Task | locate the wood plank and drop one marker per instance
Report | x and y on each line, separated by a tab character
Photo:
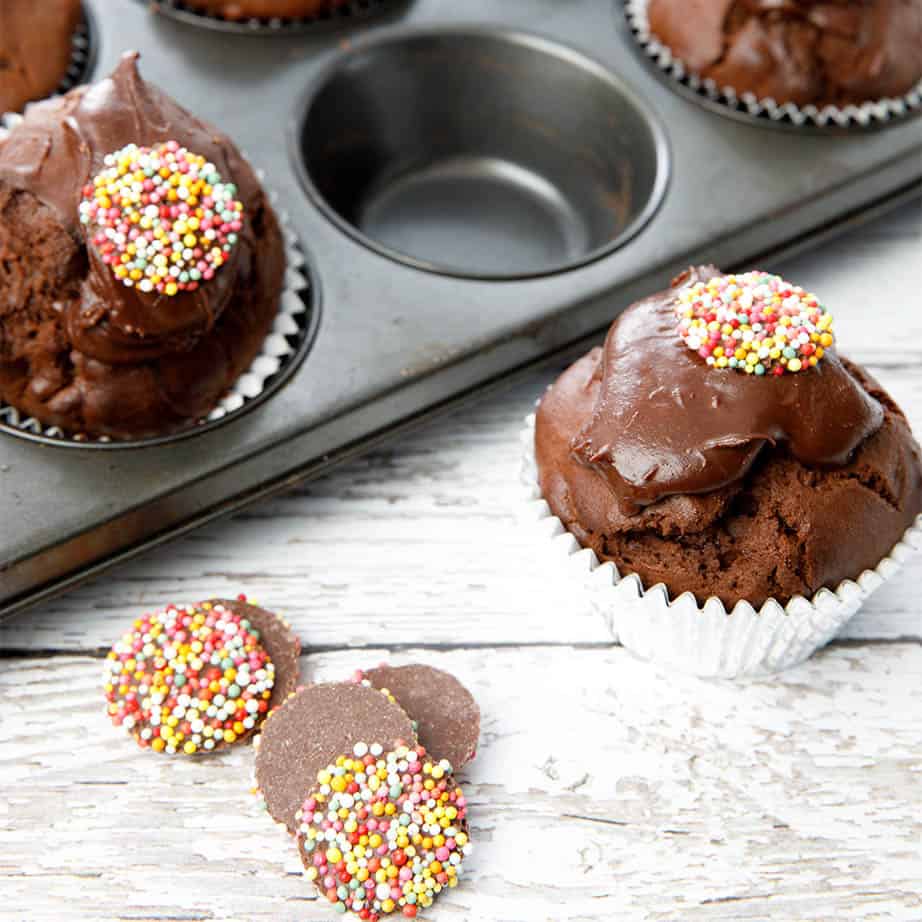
602	790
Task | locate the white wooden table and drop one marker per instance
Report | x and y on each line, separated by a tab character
604	790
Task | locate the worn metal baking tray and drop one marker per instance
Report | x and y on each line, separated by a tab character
482	160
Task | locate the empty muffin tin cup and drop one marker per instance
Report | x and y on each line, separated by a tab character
479	154
682	634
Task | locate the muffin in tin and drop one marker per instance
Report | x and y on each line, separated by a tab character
127	309
804	52
266	9
36	48
767	469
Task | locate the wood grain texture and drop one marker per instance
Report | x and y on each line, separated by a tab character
604	789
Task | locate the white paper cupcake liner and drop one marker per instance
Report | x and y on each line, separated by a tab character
877	113
282	350
261	25
705	640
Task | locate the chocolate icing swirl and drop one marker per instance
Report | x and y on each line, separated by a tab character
666	423
60	146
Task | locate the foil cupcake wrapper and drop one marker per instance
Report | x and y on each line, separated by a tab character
282	350
705	640
872	114
353	11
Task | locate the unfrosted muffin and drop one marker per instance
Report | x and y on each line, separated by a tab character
120	318
696	466
820	52
266	9
36	42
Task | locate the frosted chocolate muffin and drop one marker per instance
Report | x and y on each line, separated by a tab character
266	9
820	52
35	48
719	445
140	263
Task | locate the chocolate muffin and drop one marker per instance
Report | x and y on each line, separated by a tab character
129	303
687	462
266	9
35	48
820	52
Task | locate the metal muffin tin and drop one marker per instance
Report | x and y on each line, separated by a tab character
533	129
557	165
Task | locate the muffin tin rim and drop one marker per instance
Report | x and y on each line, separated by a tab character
545	44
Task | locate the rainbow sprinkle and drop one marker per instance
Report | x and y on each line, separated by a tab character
755	323
384	833
162	218
189	678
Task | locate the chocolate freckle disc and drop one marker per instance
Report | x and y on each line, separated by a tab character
192	679
447	716
383	834
279	641
311	729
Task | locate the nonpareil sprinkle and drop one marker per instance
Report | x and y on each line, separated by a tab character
384	833
755	323
162	218
189	679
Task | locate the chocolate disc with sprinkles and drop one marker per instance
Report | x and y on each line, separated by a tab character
281	643
447	716
194	678
310	730
384	832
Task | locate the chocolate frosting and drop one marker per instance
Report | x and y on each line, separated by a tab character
60	146
666	423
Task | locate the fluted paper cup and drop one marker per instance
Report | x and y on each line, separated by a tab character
705	640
